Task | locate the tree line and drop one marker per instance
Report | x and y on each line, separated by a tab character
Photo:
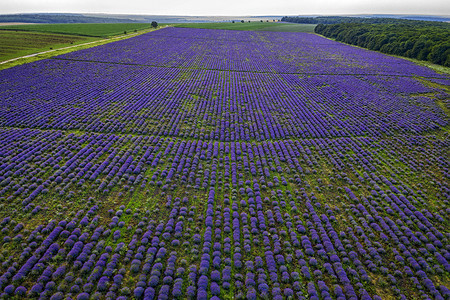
413	39
365	20
423	40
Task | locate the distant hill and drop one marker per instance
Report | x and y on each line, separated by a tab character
368	19
49	18
412	17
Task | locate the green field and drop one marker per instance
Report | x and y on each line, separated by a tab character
256	26
20	43
85	29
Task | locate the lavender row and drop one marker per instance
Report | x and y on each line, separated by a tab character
280	52
134	182
257	219
214	105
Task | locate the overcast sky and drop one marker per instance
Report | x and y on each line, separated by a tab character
229	7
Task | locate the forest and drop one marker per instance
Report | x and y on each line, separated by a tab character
428	41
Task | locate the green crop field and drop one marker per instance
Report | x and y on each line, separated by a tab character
256	26
85	29
19	43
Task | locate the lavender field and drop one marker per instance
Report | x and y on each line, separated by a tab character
215	164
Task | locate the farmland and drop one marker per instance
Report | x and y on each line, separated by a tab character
218	164
27	43
83	29
15	44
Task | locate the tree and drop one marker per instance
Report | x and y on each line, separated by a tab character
439	54
154	24
242	21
